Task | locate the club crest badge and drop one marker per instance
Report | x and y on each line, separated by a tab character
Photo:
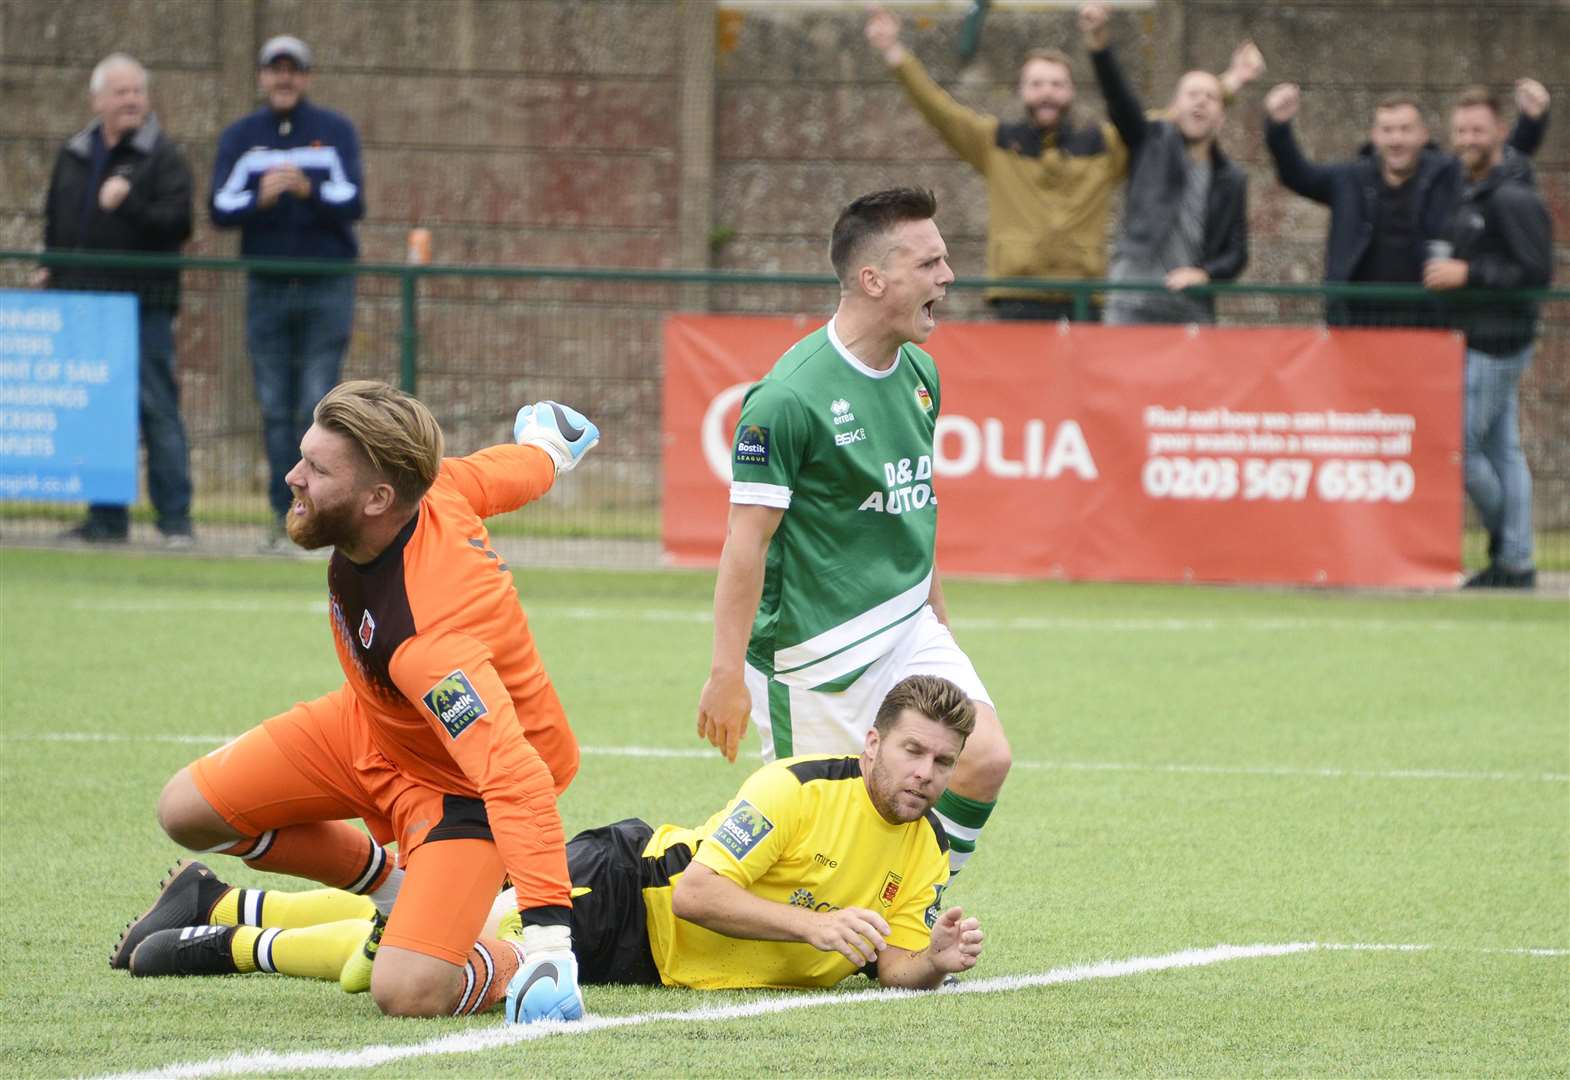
367	630
890	889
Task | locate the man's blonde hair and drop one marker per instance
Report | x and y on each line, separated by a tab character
396	432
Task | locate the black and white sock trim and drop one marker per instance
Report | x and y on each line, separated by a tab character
248	906
264	844
373	870
262	951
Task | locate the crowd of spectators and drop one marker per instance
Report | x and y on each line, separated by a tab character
1403	211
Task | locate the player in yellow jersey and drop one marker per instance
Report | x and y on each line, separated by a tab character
818	868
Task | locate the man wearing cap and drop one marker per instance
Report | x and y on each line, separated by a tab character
288	176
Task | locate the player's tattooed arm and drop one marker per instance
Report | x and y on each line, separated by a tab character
955	947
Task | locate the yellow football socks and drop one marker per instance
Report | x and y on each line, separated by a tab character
312	952
288	910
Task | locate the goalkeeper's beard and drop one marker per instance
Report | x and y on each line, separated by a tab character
320	527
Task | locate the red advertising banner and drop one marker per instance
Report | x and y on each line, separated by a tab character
1155	453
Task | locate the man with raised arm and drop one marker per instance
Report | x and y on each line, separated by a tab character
1500	237
1391	202
1185	214
446	735
1050	173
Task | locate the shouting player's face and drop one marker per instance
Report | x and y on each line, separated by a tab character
916	276
328	489
907	769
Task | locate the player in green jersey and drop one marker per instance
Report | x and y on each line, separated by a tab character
827	593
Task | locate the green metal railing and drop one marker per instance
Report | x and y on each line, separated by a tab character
409	276
476	340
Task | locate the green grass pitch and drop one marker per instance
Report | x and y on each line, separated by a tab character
1194	767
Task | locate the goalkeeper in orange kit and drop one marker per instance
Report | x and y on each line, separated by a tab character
447	735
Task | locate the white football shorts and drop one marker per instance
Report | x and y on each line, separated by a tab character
792	721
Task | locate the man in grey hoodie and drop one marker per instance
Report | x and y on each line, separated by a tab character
1501	238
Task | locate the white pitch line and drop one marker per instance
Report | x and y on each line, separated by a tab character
702	617
697	753
468	1042
1297	771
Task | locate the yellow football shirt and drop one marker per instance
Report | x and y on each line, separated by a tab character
800	831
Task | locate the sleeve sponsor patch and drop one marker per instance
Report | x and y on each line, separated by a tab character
935	908
743	830
752	445
455	702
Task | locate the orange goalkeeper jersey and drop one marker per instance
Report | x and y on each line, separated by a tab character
437	650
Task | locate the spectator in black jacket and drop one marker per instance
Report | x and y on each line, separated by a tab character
1501	238
121	185
1389	202
1186	208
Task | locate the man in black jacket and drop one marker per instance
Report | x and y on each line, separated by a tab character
121	185
1185	212
1501	238
1388	203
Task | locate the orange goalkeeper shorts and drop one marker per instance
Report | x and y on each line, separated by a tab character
317	762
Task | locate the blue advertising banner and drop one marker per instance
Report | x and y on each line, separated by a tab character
68	388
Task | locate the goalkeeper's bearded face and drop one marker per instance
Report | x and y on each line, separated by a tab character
330	486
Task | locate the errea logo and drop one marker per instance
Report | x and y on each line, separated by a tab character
841	410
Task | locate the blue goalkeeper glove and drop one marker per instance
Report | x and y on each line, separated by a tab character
561	431
545	986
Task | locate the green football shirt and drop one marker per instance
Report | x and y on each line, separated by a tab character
846	452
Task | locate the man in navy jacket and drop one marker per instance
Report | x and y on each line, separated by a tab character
288	177
1388	203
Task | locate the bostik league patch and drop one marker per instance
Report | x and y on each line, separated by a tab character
743	829
455	702
752	445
